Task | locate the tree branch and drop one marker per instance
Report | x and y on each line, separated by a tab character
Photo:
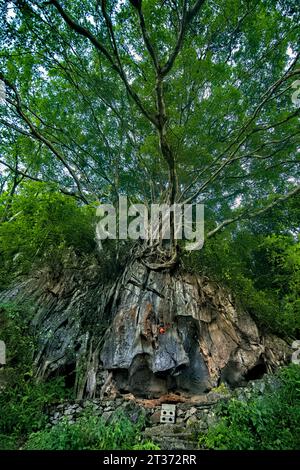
101	48
266	97
187	17
254	213
37	134
24	174
146	38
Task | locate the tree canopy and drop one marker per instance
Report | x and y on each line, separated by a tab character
174	100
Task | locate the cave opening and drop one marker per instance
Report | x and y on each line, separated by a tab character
68	372
256	372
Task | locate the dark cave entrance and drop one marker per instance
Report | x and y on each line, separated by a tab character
257	372
68	372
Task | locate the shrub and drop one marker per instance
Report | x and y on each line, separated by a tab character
23	407
22	400
269	422
42	224
148	445
91	433
263	271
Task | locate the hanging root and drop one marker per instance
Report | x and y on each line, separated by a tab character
164	260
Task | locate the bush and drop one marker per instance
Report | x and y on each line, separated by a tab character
263	271
42	223
91	433
148	445
268	422
22	399
23	406
14	331
8	442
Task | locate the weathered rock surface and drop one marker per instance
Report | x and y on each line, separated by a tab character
205	338
147	333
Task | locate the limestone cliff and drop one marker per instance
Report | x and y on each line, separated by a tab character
147	332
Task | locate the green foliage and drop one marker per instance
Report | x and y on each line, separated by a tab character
232	52
222	389
277	268
42	225
8	442
262	270
86	124
23	405
148	445
91	433
22	399
269	422
15	332
112	259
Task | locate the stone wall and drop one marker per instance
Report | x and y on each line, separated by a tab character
193	415
186	413
190	417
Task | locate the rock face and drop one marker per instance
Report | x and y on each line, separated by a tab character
182	332
147	333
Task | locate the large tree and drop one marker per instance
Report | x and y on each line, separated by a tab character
163	101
